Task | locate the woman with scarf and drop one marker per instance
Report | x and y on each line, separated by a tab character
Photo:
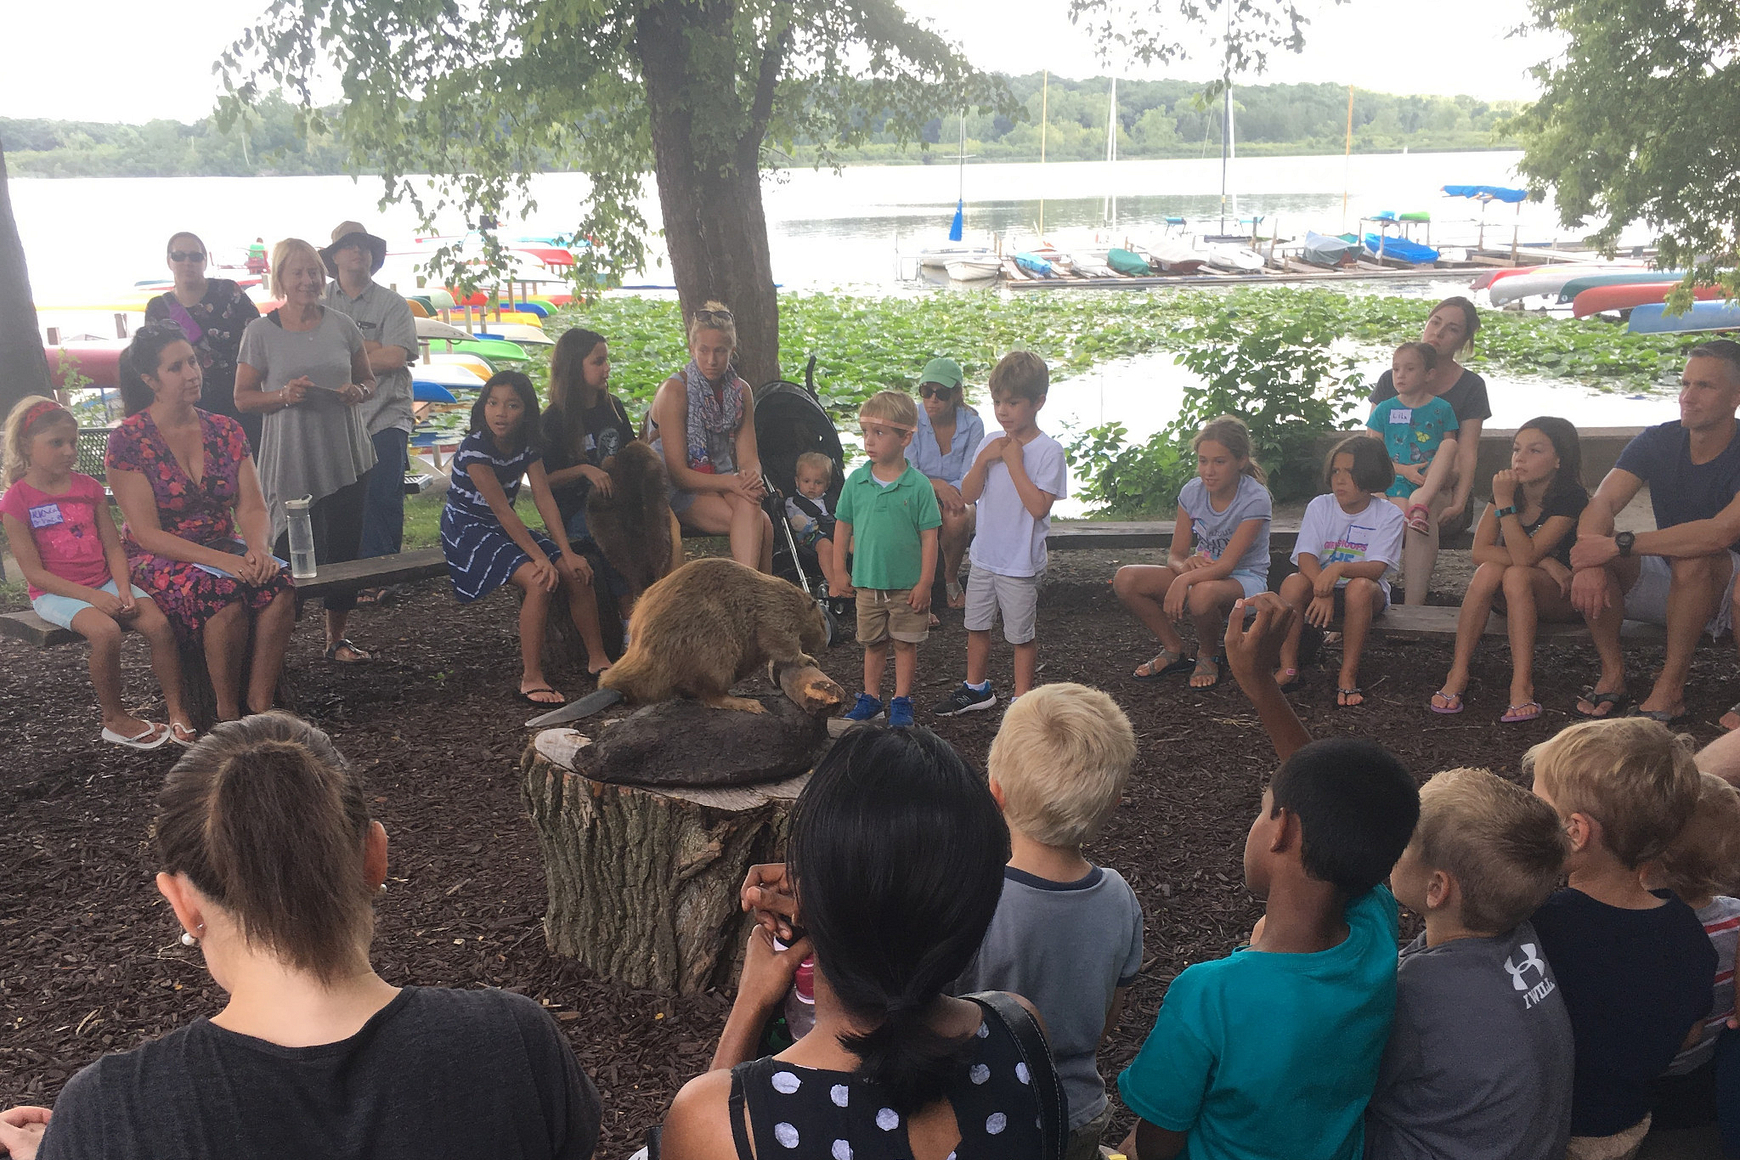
704	420
212	313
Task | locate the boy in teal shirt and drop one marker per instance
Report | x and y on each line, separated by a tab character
888	516
1274	1050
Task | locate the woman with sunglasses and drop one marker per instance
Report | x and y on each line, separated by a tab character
948	431
705	423
212	313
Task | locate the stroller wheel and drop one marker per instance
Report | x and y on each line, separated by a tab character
830	621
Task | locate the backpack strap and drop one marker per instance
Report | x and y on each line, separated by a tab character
808	506
1029	1040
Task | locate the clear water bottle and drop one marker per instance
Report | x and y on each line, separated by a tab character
302	564
800	1001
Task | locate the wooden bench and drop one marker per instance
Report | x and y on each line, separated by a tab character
1066	535
1438	622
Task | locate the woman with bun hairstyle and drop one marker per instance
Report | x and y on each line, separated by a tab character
271	864
893	870
197	535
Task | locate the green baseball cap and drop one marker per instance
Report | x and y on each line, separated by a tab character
944	372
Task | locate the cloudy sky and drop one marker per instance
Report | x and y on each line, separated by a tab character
134	62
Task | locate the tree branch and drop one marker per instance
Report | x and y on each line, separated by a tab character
767	82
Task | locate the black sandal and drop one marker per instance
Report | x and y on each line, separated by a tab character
1617	704
344	642
526	696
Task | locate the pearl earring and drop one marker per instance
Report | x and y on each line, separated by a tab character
188	939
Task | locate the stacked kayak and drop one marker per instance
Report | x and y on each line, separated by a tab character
1596	299
1542	280
1401	249
1327	250
1653	318
1569	291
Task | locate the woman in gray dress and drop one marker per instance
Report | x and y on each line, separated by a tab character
305	368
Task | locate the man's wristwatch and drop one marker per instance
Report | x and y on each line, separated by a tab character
1623	542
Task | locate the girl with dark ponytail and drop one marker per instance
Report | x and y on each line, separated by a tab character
896	853
271	865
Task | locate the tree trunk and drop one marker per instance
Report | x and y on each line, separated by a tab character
709	174
23	367
643	883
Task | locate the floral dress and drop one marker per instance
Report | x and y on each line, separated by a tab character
203	513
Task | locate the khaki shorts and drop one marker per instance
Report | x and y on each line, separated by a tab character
1647	599
884	613
1016	597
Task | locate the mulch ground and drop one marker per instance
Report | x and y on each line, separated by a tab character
89	958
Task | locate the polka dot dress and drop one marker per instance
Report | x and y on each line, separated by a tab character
800	1113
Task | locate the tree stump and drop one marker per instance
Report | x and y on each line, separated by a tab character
643	883
197	694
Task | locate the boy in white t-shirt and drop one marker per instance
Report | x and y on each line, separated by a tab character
1350	542
1015	478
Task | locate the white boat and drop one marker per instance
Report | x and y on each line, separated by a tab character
1548	281
513	332
1175	256
1235	258
447	375
938	257
974	268
436	330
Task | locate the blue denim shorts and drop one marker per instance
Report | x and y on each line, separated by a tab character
1250	581
60	610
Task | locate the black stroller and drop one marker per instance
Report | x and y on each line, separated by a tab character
791	421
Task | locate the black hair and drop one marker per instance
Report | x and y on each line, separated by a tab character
527	431
1356	806
896	854
141	359
1725	349
1566	445
1372	469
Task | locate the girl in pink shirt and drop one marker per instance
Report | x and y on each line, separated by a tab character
58	524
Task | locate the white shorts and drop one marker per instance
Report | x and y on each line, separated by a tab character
1647	599
1016	596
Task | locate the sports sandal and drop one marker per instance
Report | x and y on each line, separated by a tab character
1219	664
1153	671
1421	523
1517	714
1452	702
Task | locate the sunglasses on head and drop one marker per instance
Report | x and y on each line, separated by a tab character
713	317
187	255
926	390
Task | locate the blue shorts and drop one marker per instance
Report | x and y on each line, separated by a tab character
60	610
1251	582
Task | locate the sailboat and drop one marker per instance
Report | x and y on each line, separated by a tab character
964	262
1226	251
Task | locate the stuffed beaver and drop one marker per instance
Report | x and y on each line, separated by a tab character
633	525
700	630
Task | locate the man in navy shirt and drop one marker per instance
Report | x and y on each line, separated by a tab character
1679	575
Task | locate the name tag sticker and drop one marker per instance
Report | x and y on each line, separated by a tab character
46	516
1402	415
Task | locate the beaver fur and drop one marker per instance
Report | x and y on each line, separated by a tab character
632	525
708	625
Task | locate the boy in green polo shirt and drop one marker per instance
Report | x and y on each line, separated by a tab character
888	513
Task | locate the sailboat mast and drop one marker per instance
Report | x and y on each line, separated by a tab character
1226	112
1111	206
1044	111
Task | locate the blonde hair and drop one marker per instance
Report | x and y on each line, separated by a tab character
1633	775
895	408
19	433
1705	859
1231	433
727	326
1020	373
287	251
815	459
1062	757
1504	846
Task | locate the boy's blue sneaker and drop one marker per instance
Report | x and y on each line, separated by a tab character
965	699
869	708
900	713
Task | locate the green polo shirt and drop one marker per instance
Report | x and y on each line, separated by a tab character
886	522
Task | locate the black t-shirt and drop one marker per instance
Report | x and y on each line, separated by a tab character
1681	491
435	1074
1634	982
608	430
1467	397
1567	500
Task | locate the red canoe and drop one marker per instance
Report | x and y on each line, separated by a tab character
99	362
1598	298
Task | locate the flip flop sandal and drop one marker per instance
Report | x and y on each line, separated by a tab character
1341	696
1292	680
1452	703
182	735
1662	716
1219	664
526	696
1421	523
149	737
371	596
359	657
1616	704
956	594
1178	665
1517	714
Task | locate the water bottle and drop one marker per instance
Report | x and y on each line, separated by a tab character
301	537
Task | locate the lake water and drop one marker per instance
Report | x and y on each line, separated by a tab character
89	240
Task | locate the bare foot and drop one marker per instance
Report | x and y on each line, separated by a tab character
599	668
1731	719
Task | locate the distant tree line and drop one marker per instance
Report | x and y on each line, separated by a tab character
1155	119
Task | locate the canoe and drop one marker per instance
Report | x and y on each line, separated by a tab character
424	391
440	299
1627	295
476	365
1576	286
974	269
1401	249
1545	280
446	375
435	330
494	349
1653	318
513	332
98	361
1128	263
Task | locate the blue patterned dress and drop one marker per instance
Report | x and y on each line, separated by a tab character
481	556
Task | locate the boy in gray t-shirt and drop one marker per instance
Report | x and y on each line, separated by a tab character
1479	1059
1067	934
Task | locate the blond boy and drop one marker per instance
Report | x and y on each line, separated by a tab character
1634	966
888	515
1067	934
1479	1060
1700	868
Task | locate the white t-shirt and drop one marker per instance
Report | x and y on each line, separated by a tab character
1371	534
1211	531
1009	541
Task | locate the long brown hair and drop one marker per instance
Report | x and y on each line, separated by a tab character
269	821
565	417
1231	433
